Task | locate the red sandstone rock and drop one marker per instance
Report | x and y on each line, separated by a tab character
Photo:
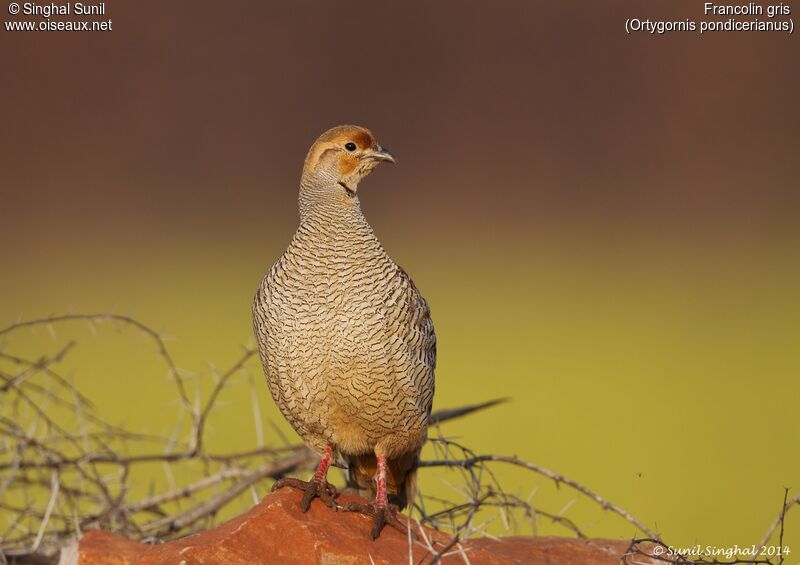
276	531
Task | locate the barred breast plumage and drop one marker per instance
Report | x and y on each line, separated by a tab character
345	338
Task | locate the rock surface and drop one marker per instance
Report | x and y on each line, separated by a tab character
276	531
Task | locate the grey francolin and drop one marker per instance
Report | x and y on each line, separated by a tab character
345	338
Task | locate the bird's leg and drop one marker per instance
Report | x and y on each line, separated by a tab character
381	511
318	486
381	500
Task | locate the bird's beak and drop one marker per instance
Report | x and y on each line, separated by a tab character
379	153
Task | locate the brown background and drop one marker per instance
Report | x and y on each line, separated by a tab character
522	113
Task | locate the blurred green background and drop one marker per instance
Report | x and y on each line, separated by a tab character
605	226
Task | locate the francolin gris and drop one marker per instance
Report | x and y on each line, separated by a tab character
345	338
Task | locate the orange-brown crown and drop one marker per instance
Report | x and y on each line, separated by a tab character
360	136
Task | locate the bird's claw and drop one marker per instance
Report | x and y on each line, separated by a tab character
381	516
312	489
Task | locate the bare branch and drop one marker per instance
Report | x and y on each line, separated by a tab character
779	519
65	469
558	478
451	413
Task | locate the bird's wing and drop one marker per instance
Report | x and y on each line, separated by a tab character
420	338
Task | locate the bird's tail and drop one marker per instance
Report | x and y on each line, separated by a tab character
401	477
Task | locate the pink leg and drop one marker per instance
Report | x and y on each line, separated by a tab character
322	469
384	513
318	486
381	499
381	511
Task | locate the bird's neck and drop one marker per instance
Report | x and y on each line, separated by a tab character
331	213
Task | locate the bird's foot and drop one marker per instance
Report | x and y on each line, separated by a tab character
381	516
315	488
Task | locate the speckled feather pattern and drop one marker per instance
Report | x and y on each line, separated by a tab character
345	338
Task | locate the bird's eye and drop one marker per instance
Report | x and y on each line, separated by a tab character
350	146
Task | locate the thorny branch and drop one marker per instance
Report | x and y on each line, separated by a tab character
64	469
779	519
475	460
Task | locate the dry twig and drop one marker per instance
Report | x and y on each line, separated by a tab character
65	469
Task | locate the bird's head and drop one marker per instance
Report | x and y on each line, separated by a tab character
343	156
